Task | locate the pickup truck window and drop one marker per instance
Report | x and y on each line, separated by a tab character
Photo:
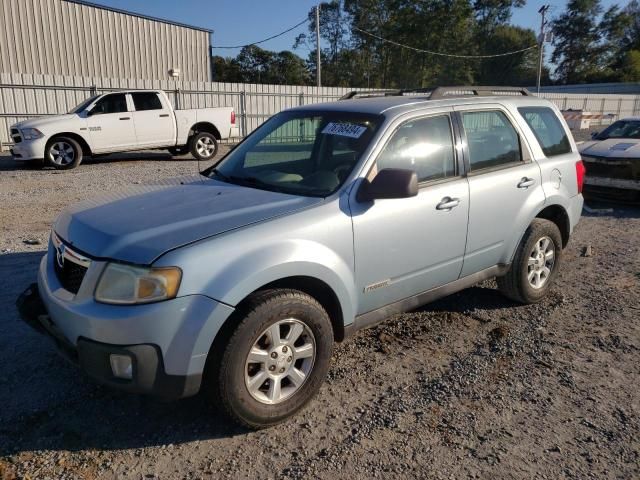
492	140
424	145
114	103
548	130
301	153
146	101
83	105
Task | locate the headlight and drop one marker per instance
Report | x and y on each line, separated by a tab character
127	285
31	133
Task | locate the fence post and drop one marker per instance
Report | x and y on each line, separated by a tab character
93	91
619	108
301	98
243	112
564	103
176	94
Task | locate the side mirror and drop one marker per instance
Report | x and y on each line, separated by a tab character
389	183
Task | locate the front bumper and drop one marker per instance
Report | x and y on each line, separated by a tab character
148	372
29	149
168	341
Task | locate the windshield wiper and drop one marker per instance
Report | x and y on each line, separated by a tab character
256	183
217	173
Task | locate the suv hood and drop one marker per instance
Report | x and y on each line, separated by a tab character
41	122
613	147
142	223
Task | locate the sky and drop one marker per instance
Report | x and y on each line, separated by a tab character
242	22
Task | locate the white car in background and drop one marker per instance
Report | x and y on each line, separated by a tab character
120	122
612	159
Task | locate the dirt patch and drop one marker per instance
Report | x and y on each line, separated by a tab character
472	386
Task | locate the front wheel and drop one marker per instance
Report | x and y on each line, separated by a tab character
63	153
535	264
275	360
203	146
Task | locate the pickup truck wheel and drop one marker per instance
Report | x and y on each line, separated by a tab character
275	360
535	264
63	153
204	146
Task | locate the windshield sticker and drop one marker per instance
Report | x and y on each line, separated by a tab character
344	129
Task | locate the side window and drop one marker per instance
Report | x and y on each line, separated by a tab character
424	145
548	130
115	103
491	138
146	101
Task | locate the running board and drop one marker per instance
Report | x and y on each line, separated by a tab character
374	317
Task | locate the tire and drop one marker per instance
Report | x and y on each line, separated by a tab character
203	146
63	153
532	273
245	388
178	151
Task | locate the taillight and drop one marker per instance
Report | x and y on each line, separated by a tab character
580	173
233	117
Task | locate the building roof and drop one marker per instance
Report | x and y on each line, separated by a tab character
133	14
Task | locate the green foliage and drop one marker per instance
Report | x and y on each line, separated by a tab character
589	46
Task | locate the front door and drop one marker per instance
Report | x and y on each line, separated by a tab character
407	246
111	125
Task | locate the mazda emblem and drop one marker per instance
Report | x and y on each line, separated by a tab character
60	255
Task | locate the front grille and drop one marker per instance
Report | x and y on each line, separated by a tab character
624	168
70	267
15	135
70	275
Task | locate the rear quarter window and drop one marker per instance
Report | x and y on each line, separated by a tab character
548	130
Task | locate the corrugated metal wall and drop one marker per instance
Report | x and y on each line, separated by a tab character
56	37
28	96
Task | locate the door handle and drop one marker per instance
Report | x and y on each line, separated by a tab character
526	182
447	203
125	118
164	115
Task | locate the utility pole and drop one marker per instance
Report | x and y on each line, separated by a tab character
318	66
543	23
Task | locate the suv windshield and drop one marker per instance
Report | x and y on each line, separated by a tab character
302	153
85	103
621	129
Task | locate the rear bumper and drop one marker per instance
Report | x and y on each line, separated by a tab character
94	358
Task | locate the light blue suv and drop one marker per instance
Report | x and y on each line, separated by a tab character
327	219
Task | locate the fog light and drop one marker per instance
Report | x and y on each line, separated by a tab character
121	366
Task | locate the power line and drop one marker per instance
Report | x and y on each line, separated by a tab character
267	39
420	50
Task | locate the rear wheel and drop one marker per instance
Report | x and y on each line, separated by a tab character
275	360
203	146
535	264
63	153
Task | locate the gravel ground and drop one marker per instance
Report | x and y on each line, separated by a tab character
472	386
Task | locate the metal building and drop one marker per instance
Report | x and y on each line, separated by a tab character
78	38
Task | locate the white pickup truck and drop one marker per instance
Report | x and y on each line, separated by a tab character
121	122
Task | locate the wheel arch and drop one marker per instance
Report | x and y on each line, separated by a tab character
557	214
86	149
205	127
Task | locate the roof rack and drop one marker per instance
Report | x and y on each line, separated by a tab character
436	93
442	92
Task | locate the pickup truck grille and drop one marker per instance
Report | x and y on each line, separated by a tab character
70	267
15	135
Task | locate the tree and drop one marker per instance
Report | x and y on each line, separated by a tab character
630	67
578	51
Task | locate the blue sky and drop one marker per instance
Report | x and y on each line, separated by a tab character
245	21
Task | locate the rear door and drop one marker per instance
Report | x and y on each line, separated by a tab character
110	124
505	188
154	121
